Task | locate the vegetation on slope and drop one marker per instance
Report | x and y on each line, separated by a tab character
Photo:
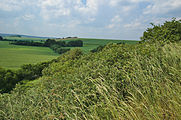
120	81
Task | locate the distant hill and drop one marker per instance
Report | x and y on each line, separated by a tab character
29	36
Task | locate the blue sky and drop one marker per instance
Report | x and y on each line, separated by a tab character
112	19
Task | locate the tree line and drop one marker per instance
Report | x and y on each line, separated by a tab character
49	43
56	46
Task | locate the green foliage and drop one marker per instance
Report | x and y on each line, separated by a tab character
9	78
49	42
58	49
27	43
121	82
1	38
76	43
170	31
98	49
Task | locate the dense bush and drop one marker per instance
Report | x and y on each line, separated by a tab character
76	43
27	43
1	38
49	42
170	31
98	49
9	78
58	49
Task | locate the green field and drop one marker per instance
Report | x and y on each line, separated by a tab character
90	44
23	38
13	56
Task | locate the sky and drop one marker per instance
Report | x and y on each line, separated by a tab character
108	19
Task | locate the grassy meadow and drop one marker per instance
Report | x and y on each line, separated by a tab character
13	56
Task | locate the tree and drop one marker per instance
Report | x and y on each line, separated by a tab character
1	38
49	42
76	43
170	31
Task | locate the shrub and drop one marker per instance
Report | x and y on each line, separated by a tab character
76	43
1	38
170	31
98	49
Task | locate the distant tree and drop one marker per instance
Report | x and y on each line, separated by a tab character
76	43
1	38
61	43
49	42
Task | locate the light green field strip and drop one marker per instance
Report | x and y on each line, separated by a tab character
13	56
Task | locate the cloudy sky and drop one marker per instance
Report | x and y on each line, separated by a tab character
113	19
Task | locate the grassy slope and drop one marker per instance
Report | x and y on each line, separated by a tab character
13	56
121	82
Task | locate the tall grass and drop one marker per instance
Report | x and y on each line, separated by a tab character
122	82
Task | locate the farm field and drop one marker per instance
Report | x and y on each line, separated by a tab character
23	38
90	44
13	56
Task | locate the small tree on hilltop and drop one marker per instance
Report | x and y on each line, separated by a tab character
170	31
1	38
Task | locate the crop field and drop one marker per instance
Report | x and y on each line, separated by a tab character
90	44
13	56
24	38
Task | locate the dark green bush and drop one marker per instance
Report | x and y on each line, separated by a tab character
1	38
170	31
98	49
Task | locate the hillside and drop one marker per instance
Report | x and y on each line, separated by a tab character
121	81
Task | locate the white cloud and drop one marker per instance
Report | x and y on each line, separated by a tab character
162	6
137	24
116	19
137	1
91	7
15	5
28	17
115	22
54	8
117	2
126	9
114	2
134	25
10	5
